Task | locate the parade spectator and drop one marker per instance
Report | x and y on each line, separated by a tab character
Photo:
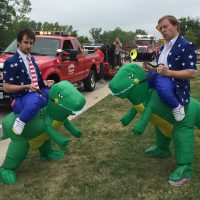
101	59
117	58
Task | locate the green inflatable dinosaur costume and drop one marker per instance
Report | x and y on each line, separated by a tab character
130	82
64	100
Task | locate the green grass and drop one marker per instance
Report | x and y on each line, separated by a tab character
107	163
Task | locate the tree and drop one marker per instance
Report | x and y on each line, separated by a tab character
190	35
190	28
140	31
83	39
126	37
96	34
46	26
11	12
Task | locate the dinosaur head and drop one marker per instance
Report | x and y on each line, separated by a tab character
126	83
64	100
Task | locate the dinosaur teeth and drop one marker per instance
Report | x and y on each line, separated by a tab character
74	112
117	94
80	111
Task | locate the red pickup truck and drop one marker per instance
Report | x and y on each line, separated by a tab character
59	57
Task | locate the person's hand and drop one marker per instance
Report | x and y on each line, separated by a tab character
147	68
163	70
33	88
48	83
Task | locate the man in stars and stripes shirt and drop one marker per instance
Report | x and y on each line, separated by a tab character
176	66
23	80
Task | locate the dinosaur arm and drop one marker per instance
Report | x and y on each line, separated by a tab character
143	121
128	117
72	128
60	140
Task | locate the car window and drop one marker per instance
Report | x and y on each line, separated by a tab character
67	45
42	46
76	44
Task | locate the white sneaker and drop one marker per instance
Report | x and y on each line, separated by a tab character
181	182
18	126
179	113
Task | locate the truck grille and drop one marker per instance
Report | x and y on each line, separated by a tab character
142	49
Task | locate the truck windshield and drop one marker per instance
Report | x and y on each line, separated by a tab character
42	46
144	42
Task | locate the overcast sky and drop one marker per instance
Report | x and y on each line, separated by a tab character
129	15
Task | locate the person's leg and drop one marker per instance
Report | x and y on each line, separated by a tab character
47	152
183	139
115	61
101	72
16	153
118	60
18	106
29	105
165	90
32	102
161	147
45	95
151	79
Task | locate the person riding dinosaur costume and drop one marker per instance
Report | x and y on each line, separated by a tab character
64	100
130	82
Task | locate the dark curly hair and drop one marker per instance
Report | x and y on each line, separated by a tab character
28	32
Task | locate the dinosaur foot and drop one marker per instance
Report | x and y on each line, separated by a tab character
156	152
181	175
54	155
7	176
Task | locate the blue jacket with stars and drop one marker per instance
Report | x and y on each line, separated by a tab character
181	57
15	72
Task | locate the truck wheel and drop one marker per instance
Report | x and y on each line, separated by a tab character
90	81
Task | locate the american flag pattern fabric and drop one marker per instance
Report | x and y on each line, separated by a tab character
15	72
181	57
32	72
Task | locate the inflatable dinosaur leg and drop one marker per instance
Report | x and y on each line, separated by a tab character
128	117
16	153
161	149
60	140
47	153
141	124
183	137
72	129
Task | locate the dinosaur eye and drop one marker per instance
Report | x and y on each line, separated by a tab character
60	96
131	76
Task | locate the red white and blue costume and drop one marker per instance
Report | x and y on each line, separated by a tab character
26	103
180	56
